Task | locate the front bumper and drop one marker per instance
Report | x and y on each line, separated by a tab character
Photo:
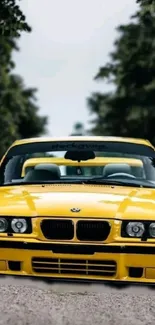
110	262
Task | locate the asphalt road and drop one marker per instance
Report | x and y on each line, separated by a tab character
24	302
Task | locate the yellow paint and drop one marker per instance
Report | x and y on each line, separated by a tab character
99	202
79	138
96	202
84	138
3	266
123	263
150	273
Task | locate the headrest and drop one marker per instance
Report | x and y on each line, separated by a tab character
52	168
110	169
43	172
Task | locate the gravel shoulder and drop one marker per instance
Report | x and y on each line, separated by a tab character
24	302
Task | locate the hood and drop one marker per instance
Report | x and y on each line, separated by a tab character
94	201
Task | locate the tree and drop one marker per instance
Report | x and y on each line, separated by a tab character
18	109
12	20
147	5
78	129
129	110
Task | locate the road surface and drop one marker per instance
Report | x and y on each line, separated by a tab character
24	302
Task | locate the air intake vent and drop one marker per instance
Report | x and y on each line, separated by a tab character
74	266
58	229
92	230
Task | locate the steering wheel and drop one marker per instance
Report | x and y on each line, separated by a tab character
120	175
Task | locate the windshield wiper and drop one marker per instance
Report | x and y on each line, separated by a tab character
94	180
19	183
105	181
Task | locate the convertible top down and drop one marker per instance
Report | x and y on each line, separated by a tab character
78	208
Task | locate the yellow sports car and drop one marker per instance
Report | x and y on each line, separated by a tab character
78	208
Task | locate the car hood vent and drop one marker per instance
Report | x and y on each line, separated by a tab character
75	185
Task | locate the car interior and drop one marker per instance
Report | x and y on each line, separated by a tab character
53	172
43	172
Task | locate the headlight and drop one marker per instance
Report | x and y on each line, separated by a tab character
135	229
19	225
3	224
152	229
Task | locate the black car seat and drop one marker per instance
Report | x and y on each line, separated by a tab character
43	172
53	168
111	169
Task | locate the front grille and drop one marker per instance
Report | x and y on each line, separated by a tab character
74	267
92	230
57	229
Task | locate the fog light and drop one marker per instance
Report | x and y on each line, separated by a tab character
14	265
19	225
135	229
152	229
3	224
3	265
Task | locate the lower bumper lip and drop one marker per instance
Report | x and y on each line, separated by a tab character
119	284
78	248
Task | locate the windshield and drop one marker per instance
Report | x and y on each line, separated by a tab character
80	161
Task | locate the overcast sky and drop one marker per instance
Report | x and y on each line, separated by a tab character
70	40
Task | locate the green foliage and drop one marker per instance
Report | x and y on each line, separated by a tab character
129	110
147	5
12	20
78	129
18	110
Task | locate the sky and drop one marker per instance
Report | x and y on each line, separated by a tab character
70	40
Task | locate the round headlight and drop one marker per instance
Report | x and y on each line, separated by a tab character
3	224
135	229
152	229
19	225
